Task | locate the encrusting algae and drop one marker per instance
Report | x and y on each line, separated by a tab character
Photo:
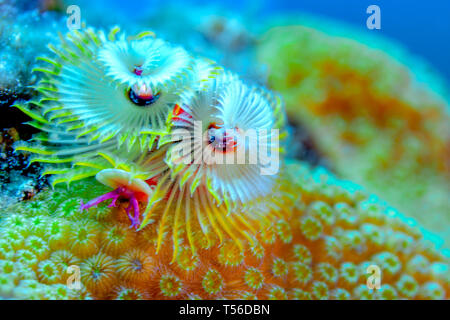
368	115
118	108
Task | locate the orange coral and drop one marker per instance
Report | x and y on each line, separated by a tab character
367	114
318	247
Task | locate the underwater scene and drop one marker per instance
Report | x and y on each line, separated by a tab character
202	150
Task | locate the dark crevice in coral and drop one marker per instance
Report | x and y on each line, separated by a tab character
301	146
14	118
18	180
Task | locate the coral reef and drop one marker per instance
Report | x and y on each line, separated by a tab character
18	179
226	32
193	214
326	234
18	20
368	115
20	43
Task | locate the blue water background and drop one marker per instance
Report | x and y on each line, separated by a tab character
422	27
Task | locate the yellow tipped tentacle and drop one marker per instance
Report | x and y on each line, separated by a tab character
225	225
211	217
142	35
164	217
188	222
158	194
108	158
242	219
50	160
176	226
30	113
112	34
234	226
87	132
91	172
50	61
94	37
202	220
90	164
36	150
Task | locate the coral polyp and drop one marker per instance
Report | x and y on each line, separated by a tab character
289	264
135	266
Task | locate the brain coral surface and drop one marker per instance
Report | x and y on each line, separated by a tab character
367	114
326	234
